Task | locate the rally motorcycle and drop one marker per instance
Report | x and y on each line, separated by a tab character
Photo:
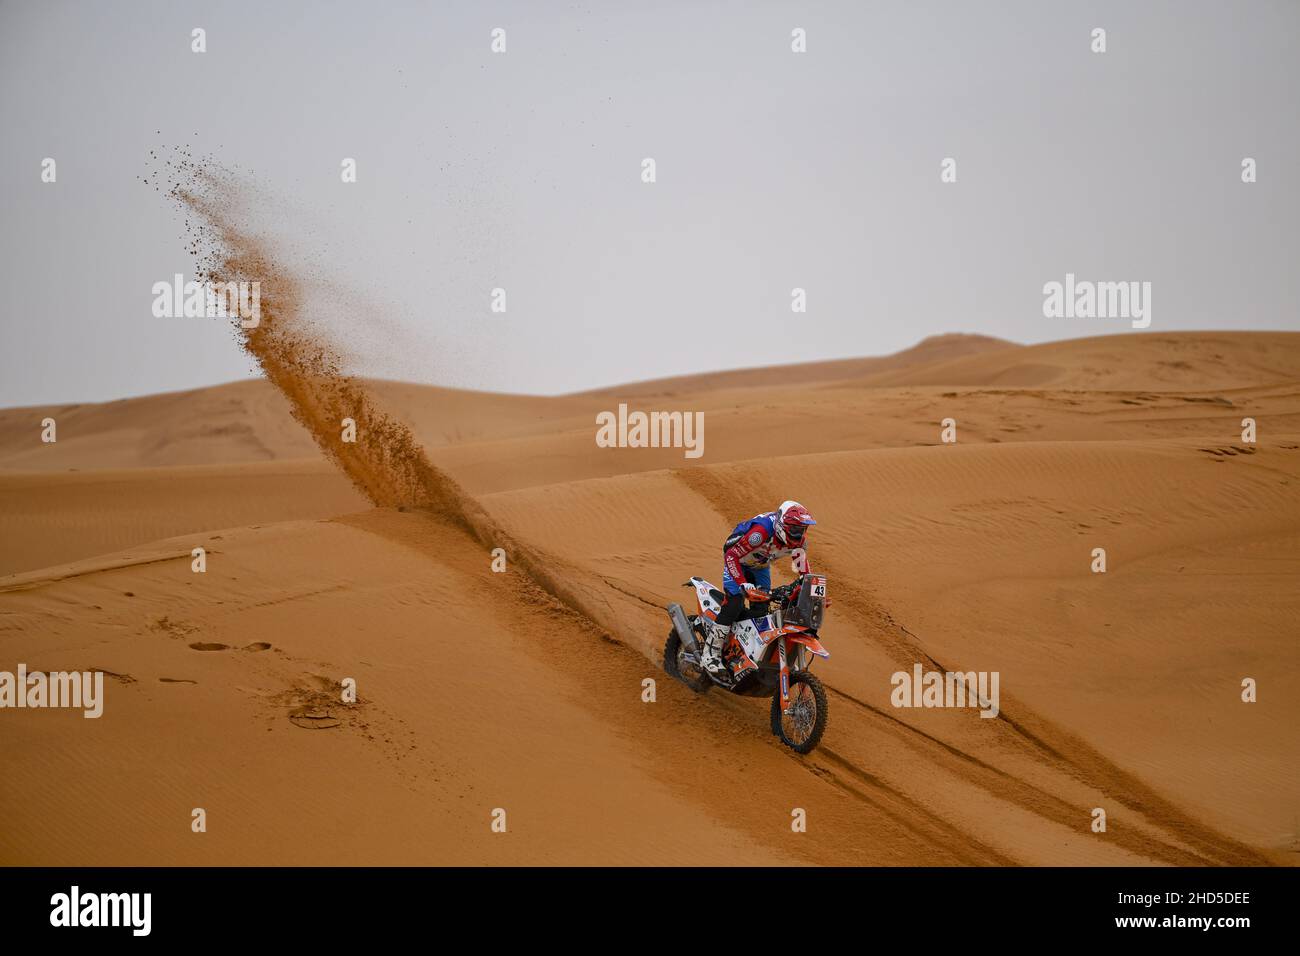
767	654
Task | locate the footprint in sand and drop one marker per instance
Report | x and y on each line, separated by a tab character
120	678
254	647
313	718
177	629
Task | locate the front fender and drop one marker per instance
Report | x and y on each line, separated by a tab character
808	640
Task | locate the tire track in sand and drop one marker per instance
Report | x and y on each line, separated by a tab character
1185	840
689	738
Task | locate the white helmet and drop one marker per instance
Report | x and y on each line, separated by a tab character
793	521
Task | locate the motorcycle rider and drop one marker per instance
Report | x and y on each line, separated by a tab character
746	555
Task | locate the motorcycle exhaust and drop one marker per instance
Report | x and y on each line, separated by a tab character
683	628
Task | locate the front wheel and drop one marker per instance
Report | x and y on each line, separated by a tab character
681	663
801	730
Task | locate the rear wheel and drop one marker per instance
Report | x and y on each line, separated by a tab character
682	664
801	730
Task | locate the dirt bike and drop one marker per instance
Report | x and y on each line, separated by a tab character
767	654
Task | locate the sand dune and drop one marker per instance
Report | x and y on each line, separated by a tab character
50	519
1175	384
251	422
936	349
992	572
481	690
1152	362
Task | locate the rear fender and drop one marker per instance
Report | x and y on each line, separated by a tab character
708	604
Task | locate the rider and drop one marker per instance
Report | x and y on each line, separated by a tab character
746	554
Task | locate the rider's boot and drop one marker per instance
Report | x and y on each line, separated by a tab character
733	606
711	652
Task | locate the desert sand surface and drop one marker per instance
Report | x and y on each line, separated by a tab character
523	690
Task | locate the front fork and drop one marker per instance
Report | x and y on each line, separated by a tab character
785	676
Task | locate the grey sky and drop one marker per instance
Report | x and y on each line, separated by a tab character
522	170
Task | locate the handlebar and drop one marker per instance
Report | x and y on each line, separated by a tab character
779	594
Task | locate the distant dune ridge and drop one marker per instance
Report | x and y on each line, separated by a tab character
522	690
252	421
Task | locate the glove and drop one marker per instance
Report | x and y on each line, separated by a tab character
748	588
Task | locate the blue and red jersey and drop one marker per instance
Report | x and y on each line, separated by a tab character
750	548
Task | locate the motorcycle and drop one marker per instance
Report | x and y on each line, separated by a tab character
768	653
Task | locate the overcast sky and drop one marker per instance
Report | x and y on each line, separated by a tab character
522	170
